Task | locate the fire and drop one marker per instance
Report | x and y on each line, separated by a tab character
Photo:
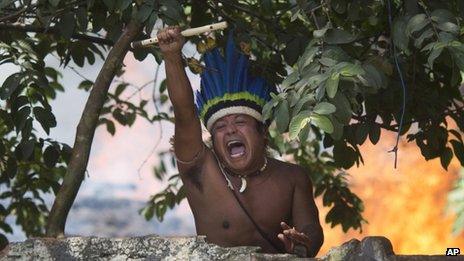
407	205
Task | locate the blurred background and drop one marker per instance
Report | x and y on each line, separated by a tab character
408	205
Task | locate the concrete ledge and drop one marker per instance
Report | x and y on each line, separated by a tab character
153	247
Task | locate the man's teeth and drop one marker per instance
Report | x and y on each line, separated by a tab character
232	142
236	148
238	154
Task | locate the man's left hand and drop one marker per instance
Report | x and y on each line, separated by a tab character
291	238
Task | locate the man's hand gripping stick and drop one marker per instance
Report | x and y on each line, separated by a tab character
185	33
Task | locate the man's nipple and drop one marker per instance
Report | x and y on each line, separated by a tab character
225	224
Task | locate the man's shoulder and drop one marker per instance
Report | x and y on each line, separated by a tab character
292	171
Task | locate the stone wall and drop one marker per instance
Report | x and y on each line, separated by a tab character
184	248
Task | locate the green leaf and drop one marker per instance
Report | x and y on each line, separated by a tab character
349	69
339	6
66	152
144	13
424	36
344	155
148	212
298	122
374	133
3	4
110	4
304	133
322	122
160	211
282	116
54	2
20	117
442	16
130	117
445	158
458	148
343	113
292	50
51	156
362	130
151	23
82	19
331	85
290	79
293	98
10	85
66	25
3	241
2	149
86	85
110	127
320	33
27	129
45	118
416	23
267	110
338	36
172	9
335	53
299	105
163	86
374	77
400	38
307	56
27	148
119	116
434	55
449	27
120	88
324	108
123	4
338	128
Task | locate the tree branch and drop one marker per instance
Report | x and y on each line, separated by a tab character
53	30
85	132
13	15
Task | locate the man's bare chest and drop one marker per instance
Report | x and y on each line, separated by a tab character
268	201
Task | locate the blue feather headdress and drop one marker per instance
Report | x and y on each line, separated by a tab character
227	87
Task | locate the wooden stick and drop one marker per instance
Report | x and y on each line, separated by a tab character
186	33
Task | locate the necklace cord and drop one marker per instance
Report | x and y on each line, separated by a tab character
258	228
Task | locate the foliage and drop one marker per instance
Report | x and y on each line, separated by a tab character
337	64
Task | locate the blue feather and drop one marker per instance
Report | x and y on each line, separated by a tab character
229	74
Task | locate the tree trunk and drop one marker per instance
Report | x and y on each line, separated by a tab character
85	131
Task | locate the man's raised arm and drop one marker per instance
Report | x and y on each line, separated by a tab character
188	143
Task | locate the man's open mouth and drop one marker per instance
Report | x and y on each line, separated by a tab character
236	148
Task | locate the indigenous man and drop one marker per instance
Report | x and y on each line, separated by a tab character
238	196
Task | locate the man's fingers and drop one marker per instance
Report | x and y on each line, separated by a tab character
287	242
296	236
168	34
284	225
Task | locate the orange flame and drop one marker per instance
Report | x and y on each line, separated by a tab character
407	205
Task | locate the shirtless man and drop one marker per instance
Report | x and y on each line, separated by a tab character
279	199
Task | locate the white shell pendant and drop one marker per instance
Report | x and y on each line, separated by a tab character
244	185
